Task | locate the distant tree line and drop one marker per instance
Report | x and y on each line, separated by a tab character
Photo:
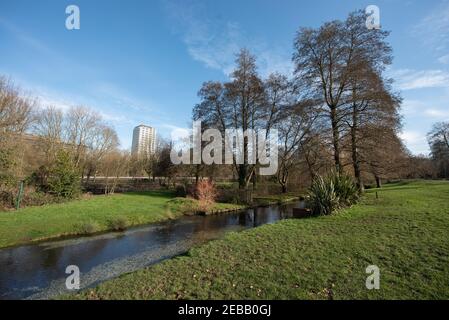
54	152
438	139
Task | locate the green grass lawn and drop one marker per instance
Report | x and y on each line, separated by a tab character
96	214
404	232
275	199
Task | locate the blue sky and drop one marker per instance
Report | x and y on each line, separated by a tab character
143	61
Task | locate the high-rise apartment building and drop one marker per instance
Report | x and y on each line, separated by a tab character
144	140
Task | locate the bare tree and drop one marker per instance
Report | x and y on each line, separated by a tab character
372	104
294	129
103	141
326	58
439	134
384	154
15	118
240	104
115	163
48	126
438	139
164	167
80	129
315	153
279	97
15	109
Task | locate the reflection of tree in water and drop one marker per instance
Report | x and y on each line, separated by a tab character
80	253
51	257
246	218
169	231
285	211
204	229
252	218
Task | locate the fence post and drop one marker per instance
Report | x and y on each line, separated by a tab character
20	195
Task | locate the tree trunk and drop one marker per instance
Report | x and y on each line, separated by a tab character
197	174
336	139
254	180
310	167
284	188
355	156
378	181
244	175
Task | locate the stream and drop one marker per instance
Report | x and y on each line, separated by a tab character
37	271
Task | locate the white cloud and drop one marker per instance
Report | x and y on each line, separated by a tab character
216	42
117	119
44	100
429	109
415	141
215	50
411	107
437	113
444	59
271	61
409	136
433	29
407	79
118	97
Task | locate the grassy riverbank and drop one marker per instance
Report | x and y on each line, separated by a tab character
404	232
96	214
275	199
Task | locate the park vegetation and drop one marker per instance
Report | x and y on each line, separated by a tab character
323	258
337	114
